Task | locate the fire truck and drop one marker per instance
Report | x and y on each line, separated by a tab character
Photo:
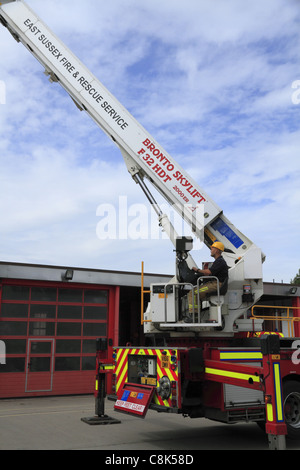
219	362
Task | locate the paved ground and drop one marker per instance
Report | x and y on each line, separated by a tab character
54	423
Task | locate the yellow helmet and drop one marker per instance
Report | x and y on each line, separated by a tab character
218	245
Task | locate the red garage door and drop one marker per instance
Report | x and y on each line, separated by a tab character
50	331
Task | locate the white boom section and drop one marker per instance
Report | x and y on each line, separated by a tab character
142	154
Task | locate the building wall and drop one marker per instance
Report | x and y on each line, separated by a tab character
50	331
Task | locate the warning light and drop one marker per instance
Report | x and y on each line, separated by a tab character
268	399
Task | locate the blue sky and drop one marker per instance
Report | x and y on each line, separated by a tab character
212	81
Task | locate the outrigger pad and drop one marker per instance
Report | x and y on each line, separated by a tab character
93	420
196	362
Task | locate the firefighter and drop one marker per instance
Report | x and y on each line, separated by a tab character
218	269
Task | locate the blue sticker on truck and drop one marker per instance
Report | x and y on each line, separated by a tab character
221	226
125	395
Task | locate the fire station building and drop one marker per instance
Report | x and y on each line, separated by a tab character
50	318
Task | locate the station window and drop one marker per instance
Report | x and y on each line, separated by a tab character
15	346
94	329
72	312
67	363
88	363
95	296
89	346
43	294
14	364
15	293
13	328
40	364
68	329
41	328
42	311
65	346
95	313
15	310
40	347
69	295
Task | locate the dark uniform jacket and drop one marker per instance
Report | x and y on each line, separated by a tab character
219	269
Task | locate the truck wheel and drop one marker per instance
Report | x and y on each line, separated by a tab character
291	400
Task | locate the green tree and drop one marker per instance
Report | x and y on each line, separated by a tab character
296	279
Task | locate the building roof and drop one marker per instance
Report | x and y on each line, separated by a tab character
80	275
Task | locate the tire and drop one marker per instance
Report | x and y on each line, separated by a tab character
291	407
